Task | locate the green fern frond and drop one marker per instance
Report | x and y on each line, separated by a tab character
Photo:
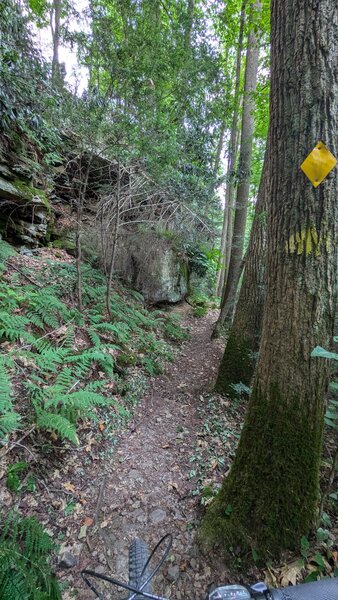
45	307
93	336
120	330
98	384
83	361
6	251
25	550
9	298
48	360
57	423
9	419
69	339
13	327
65	380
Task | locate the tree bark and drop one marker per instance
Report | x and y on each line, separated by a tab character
274	482
232	153
189	24
55	23
242	346
251	69
114	243
217	162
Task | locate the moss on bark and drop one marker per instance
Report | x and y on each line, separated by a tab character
269	499
237	365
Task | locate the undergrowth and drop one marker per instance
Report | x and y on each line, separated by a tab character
25	570
58	365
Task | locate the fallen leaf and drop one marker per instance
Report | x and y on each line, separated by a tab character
83	532
69	487
90	441
270	579
104	524
101	426
214	464
166	445
88	521
290	574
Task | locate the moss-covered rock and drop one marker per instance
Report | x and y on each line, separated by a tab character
26	212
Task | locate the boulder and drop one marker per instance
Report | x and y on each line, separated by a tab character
153	266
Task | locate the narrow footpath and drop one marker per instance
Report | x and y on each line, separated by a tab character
149	489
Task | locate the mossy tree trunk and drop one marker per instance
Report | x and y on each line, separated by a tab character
273	485
245	156
239	358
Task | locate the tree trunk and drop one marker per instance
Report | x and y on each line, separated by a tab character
215	167
222	250
232	153
242	346
114	245
55	28
274	482
189	24
80	201
229	294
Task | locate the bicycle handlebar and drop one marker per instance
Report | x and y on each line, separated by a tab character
325	589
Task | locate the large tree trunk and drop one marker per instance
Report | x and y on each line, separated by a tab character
232	152
229	294
274	482
242	346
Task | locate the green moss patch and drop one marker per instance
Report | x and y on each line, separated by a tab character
269	500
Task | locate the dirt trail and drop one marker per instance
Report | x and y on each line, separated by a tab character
147	492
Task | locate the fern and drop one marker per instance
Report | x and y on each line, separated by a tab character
6	251
93	336
64	380
57	423
25	571
12	327
9	419
44	307
83	361
69	339
120	330
48	361
9	298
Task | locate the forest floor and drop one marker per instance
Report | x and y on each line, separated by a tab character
168	455
156	477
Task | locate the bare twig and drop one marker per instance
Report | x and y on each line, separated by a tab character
26	434
99	499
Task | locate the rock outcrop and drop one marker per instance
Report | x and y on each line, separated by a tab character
25	211
153	266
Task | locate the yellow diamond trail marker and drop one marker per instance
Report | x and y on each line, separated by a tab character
318	164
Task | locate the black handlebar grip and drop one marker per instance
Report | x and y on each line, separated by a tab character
325	589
